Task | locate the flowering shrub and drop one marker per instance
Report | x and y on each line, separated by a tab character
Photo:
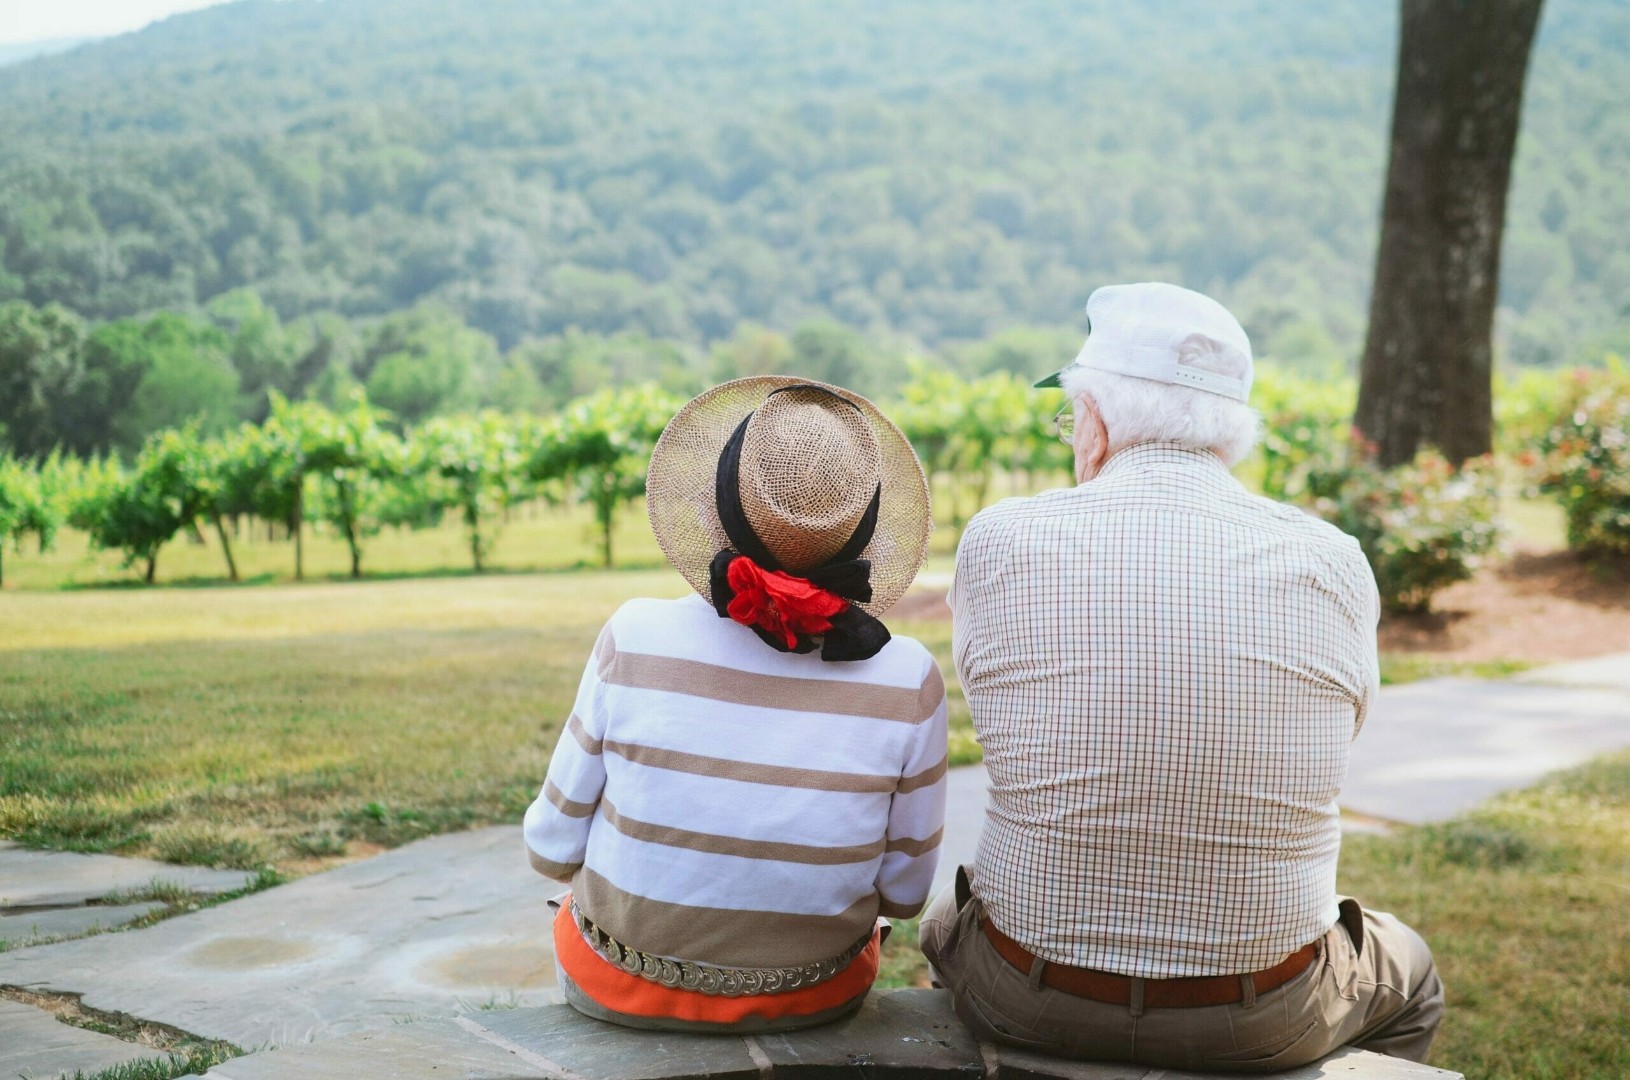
1422	526
1584	460
1304	426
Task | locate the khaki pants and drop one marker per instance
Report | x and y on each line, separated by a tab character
1373	986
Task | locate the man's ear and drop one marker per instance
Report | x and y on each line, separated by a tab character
1089	427
1100	453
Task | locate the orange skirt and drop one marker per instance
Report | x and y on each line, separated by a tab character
610	986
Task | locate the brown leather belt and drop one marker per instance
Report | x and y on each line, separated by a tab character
1182	993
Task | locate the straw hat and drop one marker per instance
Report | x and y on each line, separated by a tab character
812	459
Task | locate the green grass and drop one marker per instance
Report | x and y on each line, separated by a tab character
246	727
242	727
1524	903
536	538
191	1062
1409	667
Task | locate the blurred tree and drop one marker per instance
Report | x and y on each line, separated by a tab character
482	459
178	372
1428	367
41	371
353	457
23	508
752	350
604	442
263	352
140	510
426	361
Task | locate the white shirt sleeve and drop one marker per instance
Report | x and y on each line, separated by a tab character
557	823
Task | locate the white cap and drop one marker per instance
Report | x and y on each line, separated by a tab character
1165	334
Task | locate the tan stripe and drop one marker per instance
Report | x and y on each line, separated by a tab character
549	868
932	692
713	843
927	778
915	848
589	743
646	671
563	804
890	910
605	652
752	772
720	935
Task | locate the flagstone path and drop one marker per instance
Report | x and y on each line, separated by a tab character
456	925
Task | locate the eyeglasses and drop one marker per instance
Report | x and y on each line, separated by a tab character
1064	424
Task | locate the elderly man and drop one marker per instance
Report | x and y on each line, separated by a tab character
1165	673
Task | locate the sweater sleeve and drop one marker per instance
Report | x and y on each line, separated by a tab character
557	823
917	811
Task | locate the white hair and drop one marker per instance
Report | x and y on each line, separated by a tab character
1144	410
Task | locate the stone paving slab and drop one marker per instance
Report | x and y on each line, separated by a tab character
1604	673
65	878
966	797
1436	748
898	1034
34	924
444	925
424	1050
35	1045
563	1042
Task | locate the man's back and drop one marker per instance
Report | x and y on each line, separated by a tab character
1165	673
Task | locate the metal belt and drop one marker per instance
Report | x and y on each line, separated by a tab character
706	978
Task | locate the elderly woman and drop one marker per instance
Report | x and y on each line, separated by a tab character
754	774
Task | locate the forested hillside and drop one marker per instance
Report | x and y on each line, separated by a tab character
920	170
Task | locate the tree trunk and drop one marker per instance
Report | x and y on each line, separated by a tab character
349	516
152	568
295	525
472	521
606	511
1427	372
226	549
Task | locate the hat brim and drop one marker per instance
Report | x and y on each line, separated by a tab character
1047	382
680	488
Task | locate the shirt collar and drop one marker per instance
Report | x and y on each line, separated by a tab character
1148	457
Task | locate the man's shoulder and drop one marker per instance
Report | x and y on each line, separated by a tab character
1303	523
1020	508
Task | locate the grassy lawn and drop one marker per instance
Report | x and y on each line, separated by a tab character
1524	902
295	724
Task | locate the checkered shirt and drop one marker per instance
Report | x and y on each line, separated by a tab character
1165	673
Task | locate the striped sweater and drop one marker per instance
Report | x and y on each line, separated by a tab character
717	801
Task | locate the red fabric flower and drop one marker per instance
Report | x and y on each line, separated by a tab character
779	603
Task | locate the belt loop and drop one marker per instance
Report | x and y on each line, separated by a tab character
1137	997
1038	968
1247	989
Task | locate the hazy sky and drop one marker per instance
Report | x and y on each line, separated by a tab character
37	20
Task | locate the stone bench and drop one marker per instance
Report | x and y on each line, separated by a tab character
898	1035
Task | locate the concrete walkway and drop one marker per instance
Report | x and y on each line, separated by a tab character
457	924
